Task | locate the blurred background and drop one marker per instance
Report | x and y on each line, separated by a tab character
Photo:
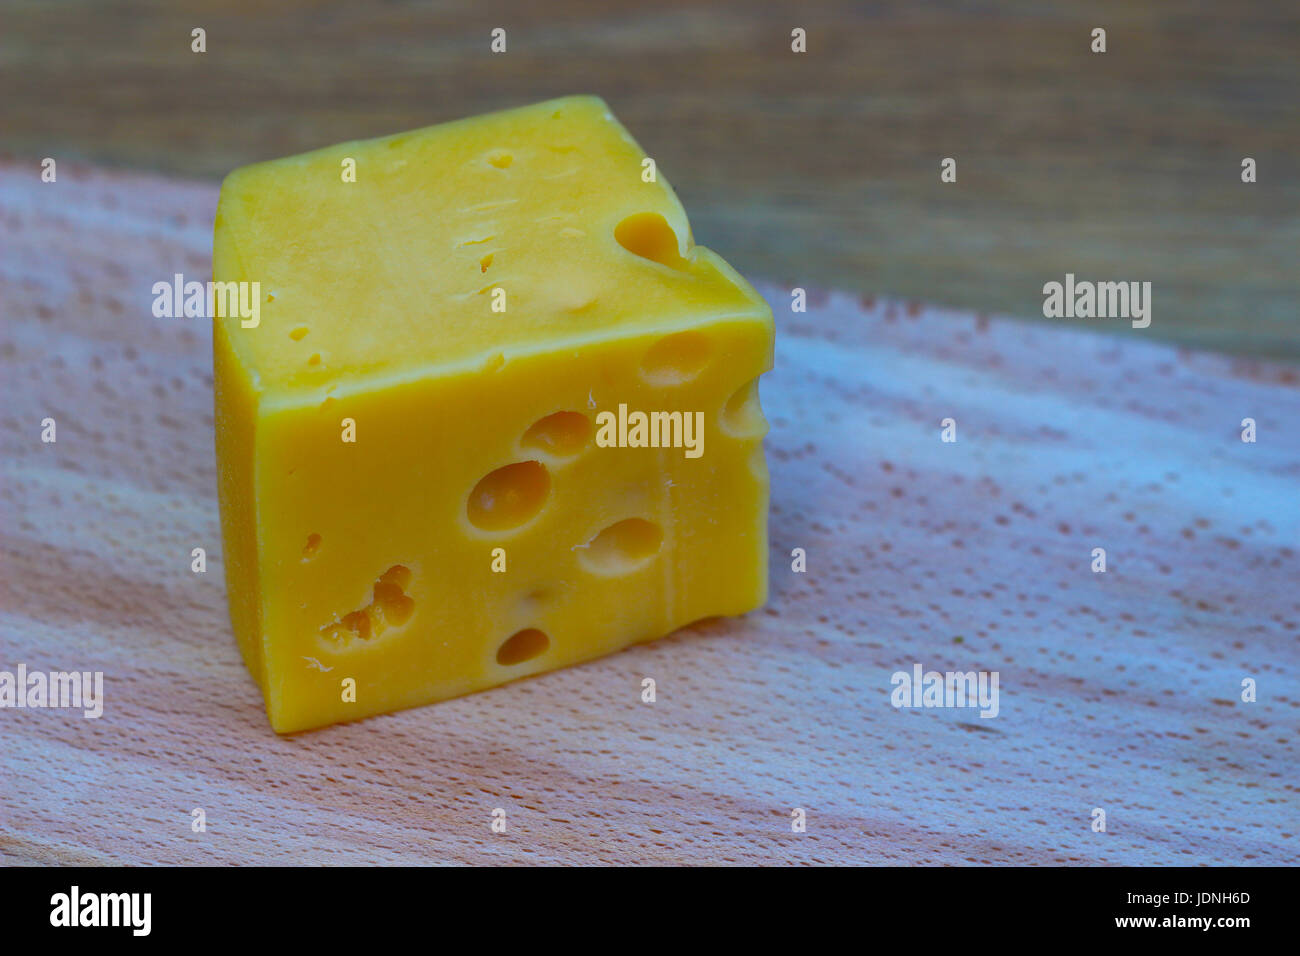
820	169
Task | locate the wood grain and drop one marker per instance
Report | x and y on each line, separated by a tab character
1118	690
819	169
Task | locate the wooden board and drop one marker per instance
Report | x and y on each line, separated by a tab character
820	168
1118	690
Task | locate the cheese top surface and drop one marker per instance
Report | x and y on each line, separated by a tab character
394	275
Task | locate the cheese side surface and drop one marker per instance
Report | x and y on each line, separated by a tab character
496	412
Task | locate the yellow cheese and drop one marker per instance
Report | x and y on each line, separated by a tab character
435	442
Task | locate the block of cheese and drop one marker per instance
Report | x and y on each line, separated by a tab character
497	413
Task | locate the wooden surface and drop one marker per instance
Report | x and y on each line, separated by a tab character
1118	691
820	169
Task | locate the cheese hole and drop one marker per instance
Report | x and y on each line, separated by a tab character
532	602
622	547
358	623
742	416
389	607
501	159
314	360
509	496
648	235
562	434
485	262
311	547
523	646
299	333
676	358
